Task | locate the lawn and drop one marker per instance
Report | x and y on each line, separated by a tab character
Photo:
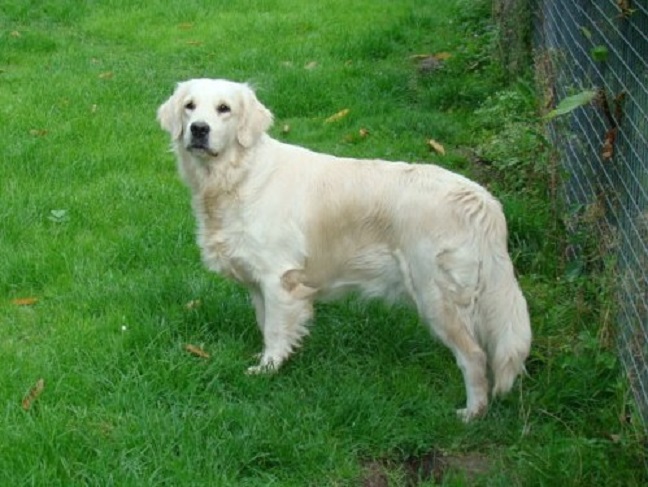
102	289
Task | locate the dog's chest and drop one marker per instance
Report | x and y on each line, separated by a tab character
225	246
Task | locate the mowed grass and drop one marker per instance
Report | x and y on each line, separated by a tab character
101	285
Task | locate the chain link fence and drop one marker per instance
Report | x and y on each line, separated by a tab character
602	46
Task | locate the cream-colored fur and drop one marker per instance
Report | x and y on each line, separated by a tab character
294	226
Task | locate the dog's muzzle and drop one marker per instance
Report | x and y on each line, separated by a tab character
200	138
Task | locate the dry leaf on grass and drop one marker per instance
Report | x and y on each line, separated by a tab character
197	351
441	56
436	147
193	304
38	132
24	301
106	75
33	394
607	151
337	116
356	136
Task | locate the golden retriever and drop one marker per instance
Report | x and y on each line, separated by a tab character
294	226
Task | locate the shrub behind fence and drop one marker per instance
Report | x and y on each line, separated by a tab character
602	45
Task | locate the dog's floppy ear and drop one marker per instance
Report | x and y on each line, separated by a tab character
255	119
170	114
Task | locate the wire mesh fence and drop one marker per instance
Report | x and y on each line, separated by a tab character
602	46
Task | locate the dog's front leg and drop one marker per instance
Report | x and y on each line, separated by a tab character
284	325
256	297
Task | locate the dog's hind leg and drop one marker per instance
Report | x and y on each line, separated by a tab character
284	325
445	302
450	321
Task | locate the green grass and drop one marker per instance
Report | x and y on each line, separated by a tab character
96	226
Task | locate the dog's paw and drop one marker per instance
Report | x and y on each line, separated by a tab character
265	366
467	415
259	369
464	415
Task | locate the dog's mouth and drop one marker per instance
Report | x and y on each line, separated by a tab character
201	148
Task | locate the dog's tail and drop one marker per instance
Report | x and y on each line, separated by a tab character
505	325
502	322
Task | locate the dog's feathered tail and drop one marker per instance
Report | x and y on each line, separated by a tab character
505	324
502	323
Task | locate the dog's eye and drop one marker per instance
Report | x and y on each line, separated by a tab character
223	108
190	105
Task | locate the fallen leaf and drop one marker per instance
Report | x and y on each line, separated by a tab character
626	10
185	26
193	304
440	56
38	132
363	133
106	75
608	144
15	33
436	147
550	97
33	394
311	65
443	56
194	43
197	351
24	301
338	116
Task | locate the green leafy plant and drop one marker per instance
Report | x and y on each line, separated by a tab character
571	103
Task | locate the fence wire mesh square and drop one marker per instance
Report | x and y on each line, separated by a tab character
602	45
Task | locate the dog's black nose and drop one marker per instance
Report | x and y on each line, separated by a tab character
199	129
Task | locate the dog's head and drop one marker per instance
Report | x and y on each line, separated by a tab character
207	117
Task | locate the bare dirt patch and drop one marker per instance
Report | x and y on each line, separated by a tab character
413	470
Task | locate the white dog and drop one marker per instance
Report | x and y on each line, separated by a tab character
294	226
